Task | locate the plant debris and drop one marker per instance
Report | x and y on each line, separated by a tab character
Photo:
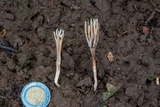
110	57
8	48
150	22
2	31
110	91
3	44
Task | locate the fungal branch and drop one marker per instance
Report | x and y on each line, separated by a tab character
92	36
58	35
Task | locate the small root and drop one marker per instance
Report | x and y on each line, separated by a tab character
70	41
123	33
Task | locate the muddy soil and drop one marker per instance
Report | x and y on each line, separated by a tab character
29	25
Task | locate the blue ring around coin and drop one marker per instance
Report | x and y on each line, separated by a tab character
35	84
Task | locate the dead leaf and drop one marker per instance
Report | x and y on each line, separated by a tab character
110	87
3	33
111	90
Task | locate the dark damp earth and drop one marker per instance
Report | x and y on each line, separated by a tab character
128	29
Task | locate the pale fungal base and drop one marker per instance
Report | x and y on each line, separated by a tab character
92	36
58	34
157	80
35	96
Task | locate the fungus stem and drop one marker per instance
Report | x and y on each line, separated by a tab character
94	68
92	37
58	34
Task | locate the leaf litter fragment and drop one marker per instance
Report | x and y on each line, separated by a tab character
110	57
111	90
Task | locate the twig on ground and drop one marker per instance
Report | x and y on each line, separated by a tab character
92	36
7	48
156	9
59	35
156	6
150	17
123	33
